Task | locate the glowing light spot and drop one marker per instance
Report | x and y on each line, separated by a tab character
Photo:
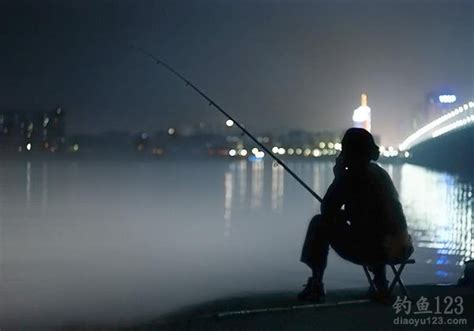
361	114
243	152
229	123
299	151
322	145
75	148
281	151
232	152
291	151
28	146
171	131
316	152
275	150
447	98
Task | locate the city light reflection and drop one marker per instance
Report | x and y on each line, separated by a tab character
257	184
439	212
277	187
228	188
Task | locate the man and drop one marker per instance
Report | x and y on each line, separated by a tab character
361	218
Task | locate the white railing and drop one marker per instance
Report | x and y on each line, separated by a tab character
453	120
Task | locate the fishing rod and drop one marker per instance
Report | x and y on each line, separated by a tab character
241	127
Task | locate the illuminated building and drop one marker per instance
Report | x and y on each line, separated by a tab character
362	114
32	131
437	103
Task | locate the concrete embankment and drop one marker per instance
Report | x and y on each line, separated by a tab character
431	308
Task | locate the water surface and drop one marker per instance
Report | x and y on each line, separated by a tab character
99	242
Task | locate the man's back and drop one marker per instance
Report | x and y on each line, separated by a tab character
369	199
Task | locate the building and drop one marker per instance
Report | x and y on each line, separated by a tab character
26	131
362	115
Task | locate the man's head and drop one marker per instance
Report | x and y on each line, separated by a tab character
358	144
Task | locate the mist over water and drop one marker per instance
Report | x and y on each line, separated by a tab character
100	242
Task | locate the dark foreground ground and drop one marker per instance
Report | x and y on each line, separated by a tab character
449	308
343	310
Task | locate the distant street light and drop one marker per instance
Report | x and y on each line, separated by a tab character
229	123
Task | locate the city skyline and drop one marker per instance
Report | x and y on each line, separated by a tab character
273	65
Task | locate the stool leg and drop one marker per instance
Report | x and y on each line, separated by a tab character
369	278
397	279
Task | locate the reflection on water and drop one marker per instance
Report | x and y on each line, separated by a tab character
101	242
228	186
278	186
438	206
257	184
28	184
44	186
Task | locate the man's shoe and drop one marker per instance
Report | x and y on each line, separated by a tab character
380	294
313	291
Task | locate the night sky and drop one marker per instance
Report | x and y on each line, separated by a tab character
273	64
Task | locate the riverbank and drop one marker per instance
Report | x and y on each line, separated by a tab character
342	310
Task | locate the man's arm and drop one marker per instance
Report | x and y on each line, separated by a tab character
333	199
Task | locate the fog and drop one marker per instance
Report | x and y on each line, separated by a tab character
107	243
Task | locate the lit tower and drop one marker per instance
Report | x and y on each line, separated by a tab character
361	116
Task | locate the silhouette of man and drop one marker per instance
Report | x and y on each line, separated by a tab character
361	218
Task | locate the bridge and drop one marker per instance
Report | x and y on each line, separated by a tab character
445	142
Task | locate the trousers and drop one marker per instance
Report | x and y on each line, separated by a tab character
355	246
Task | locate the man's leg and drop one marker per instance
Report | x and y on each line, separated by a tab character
380	276
316	247
315	255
